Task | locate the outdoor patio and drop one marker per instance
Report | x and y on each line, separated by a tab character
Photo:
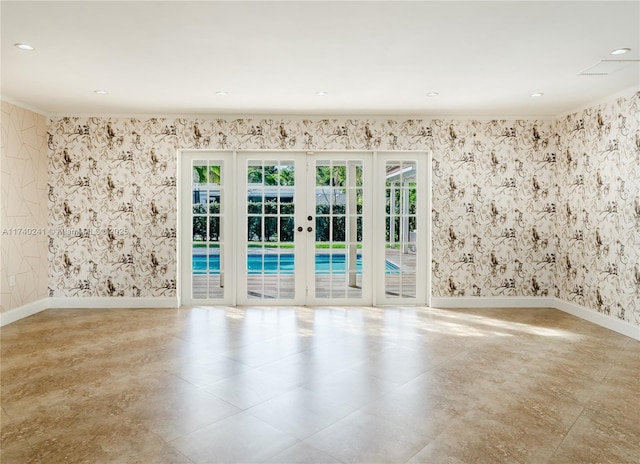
281	286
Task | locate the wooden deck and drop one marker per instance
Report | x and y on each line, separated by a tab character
402	284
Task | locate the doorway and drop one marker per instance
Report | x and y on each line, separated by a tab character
291	228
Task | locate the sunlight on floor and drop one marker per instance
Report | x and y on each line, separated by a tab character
462	323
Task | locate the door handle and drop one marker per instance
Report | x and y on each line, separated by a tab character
309	218
300	229
309	229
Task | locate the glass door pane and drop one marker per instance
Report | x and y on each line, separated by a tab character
292	228
206	233
403	201
400	229
341	260
270	208
206	230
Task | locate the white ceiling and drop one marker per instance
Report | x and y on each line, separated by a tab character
373	58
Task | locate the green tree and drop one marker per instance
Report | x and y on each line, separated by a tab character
207	174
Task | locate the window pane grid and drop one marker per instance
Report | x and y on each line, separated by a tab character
207	239
400	222
270	229
338	206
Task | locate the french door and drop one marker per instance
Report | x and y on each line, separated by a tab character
304	228
402	239
207	228
287	228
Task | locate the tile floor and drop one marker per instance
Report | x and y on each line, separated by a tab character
329	385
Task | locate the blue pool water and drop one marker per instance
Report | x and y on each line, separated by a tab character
270	264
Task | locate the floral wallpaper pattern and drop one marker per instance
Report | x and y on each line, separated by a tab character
493	209
112	215
499	189
598	231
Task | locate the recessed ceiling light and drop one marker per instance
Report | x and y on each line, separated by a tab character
433	94
222	93
620	51
537	94
101	92
24	46
322	93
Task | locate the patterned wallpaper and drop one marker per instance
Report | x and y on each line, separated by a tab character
493	209
23	216
499	189
120	175
598	153
112	208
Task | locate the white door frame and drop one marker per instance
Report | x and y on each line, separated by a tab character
228	230
376	228
423	239
368	260
300	242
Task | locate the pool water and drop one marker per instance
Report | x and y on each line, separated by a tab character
270	264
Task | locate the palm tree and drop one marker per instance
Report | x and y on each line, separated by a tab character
207	174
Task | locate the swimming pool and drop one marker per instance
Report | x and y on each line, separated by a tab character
334	263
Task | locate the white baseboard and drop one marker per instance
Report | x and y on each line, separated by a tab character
23	311
492	302
608	322
114	302
35	307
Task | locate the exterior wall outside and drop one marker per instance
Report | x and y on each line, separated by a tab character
24	207
598	158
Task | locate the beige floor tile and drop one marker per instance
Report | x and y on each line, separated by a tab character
24	454
109	439
424	412
248	388
532	398
616	405
181	413
302	453
398	364
207	369
359	385
363	438
300	368
300	412
477	437
12	437
56	419
238	439
592	440
160	454
353	387
268	351
625	375
559	384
